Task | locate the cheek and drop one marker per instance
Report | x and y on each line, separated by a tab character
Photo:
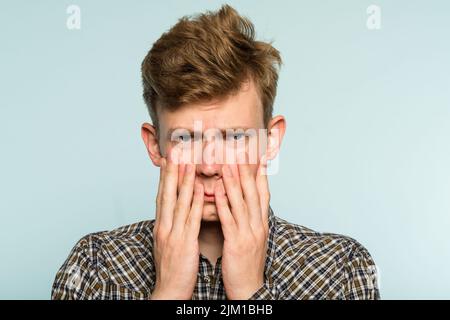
186	151
244	151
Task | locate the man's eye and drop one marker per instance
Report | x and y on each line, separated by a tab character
183	138
236	136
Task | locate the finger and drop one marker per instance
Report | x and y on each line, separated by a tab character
227	220
169	193
262	184
234	193
160	189
183	203
251	196
195	215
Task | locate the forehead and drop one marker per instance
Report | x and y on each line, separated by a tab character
240	110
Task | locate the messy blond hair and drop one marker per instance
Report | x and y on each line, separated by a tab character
208	56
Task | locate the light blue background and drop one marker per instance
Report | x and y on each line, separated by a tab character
366	153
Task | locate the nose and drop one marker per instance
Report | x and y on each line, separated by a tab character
209	170
209	174
207	164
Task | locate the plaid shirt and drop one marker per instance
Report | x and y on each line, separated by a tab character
300	264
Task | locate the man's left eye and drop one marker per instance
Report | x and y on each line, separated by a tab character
236	136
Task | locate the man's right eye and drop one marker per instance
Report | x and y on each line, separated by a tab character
182	138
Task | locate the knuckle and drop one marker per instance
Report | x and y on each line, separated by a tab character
189	224
160	235
158	240
245	171
178	208
166	198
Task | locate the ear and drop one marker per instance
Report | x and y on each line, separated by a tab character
276	129
150	138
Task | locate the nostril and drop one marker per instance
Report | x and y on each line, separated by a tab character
209	174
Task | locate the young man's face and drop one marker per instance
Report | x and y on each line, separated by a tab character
198	133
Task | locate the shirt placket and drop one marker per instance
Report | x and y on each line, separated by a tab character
204	278
209	280
216	284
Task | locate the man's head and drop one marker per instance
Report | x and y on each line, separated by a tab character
210	70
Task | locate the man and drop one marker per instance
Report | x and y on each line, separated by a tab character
208	81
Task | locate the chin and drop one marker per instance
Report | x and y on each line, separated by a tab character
210	212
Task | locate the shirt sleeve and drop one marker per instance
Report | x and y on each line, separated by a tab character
265	292
77	278
361	276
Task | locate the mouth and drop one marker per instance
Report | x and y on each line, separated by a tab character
209	197
209	193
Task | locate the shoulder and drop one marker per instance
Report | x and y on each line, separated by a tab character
326	264
108	245
115	260
301	240
135	235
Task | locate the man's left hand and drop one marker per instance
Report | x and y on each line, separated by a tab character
245	228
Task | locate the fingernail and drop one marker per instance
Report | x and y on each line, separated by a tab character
189	168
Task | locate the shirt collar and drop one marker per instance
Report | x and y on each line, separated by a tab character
271	243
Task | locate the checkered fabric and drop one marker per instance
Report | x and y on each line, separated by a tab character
300	264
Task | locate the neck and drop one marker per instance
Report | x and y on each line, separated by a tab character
211	240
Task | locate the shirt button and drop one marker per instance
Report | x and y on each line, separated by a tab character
206	278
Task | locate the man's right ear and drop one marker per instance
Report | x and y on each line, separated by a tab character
150	138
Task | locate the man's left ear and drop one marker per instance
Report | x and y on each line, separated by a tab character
276	129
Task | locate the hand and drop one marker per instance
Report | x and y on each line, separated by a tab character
245	227
176	249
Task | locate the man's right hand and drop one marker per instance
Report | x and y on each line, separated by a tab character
177	225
